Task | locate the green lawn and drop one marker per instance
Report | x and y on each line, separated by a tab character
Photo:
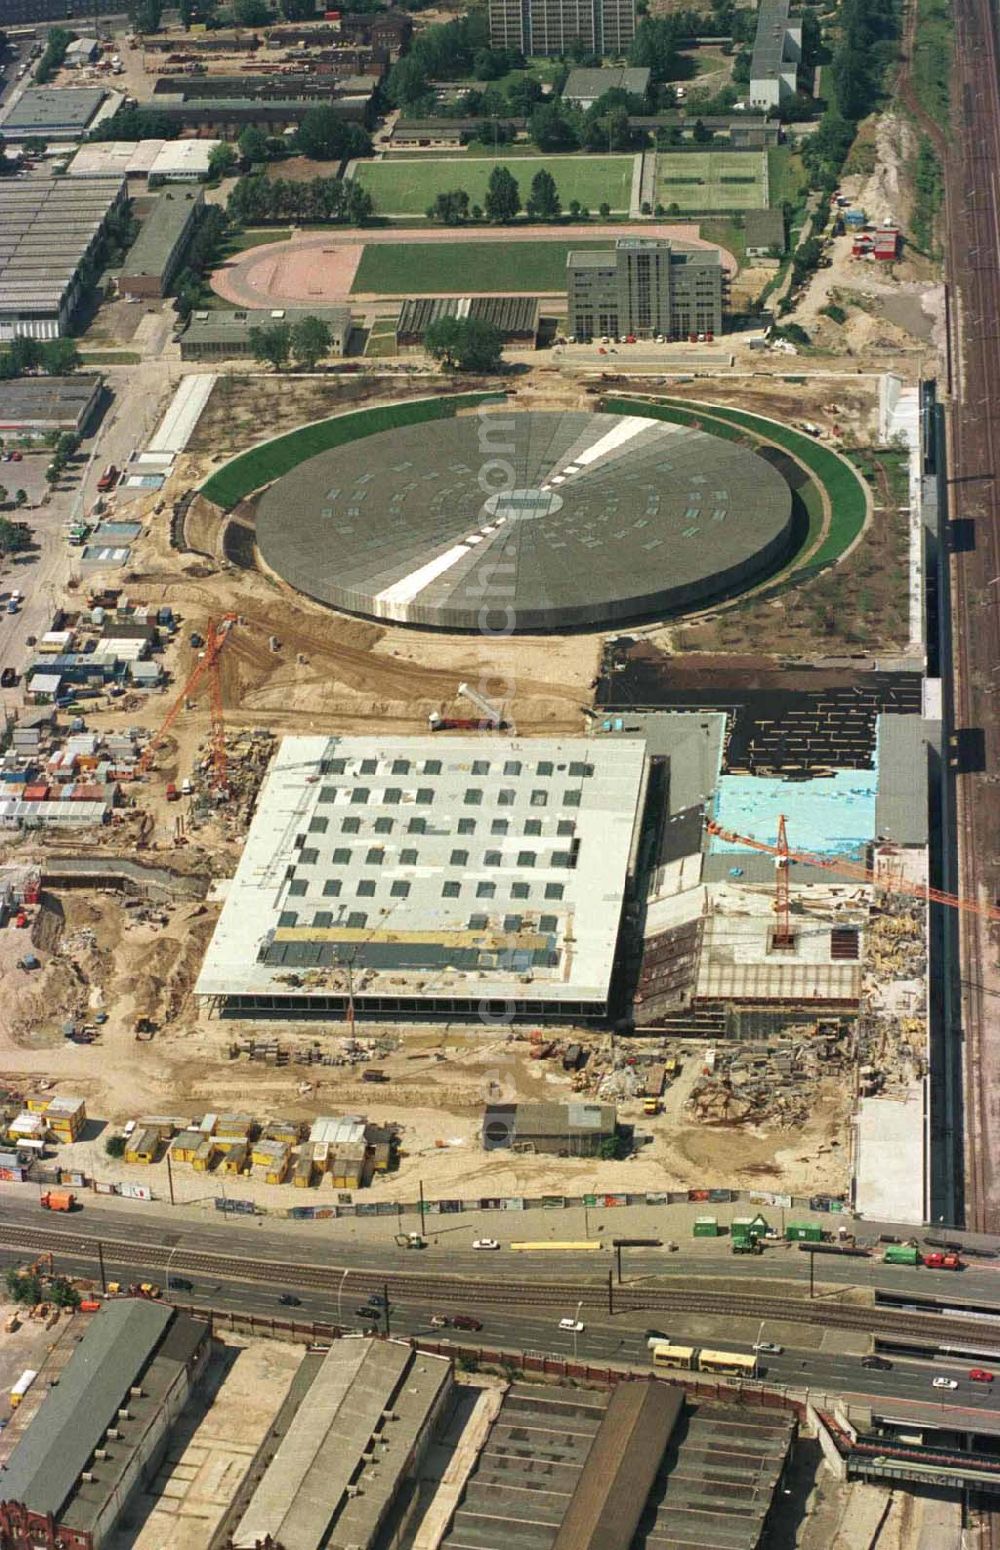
465	268
239	242
261	464
786	175
408	188
707	181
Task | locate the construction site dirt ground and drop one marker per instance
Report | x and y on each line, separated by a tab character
212	1446
30	1345
101	958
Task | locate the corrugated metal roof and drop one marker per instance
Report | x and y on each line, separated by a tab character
901	801
48	1462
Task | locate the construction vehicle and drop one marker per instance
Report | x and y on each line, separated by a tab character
374	1074
651	1106
750	1245
411	1240
58	1200
942	1261
21	1387
207	664
148	1289
114	1288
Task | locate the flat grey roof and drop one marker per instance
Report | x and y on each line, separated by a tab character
563	1119
45	232
302	1500
436	867
764	229
222	327
47	1463
46	398
901	795
50	109
604	518
769	39
159	232
594	83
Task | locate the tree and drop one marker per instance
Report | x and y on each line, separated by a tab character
543	201
67	446
20	498
465	344
222	160
253	145
60	357
503	197
63	1293
23	1288
451	209
311	340
323	136
604	210
552	128
272	344
251	13
115	1146
298	10
145	15
4	495
13	539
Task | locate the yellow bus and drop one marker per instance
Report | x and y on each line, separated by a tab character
549	1245
674	1355
732	1363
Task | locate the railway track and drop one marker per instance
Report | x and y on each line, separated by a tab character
421	1287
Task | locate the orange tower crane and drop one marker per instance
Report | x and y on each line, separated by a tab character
852	869
208	663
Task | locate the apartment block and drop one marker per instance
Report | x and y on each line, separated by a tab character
554	27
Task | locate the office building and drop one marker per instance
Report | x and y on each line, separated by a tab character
223	335
644	287
604	27
777	50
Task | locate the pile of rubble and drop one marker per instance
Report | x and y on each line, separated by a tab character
773	1083
892	1026
248	755
339	1052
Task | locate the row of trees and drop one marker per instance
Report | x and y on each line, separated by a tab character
502	203
256	201
58	42
204	253
306	342
55	357
867	44
465	344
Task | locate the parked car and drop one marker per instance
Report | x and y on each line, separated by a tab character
289	1300
8	678
980	1375
485	1243
656	1336
366	1312
769	1346
466	1321
181	1284
879	1363
573	1325
944	1383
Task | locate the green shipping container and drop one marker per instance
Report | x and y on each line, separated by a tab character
804	1232
706	1227
901	1254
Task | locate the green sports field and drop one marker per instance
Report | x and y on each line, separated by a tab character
409	187
464	268
705	181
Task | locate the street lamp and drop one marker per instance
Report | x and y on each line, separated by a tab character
170	1259
576	1326
340	1293
756	1350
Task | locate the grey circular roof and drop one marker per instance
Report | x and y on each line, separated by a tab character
507	521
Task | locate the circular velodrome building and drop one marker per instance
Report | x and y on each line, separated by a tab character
520	521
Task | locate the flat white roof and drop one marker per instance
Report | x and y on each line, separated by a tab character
433	868
891	1162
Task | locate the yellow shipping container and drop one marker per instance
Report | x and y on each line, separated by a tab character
303	1175
184	1147
143	1146
205	1156
234	1159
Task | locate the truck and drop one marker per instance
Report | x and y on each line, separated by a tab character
58	1200
746	1246
411	1240
21	1387
108	479
374	1074
656	1077
941	1261
901	1254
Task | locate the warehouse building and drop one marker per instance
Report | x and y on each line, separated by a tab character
421	875
158	252
57	113
647	288
222	335
38	406
158	161
777	50
517	317
357	1439
49	233
100	1434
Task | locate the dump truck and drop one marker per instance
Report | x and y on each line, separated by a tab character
58	1200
